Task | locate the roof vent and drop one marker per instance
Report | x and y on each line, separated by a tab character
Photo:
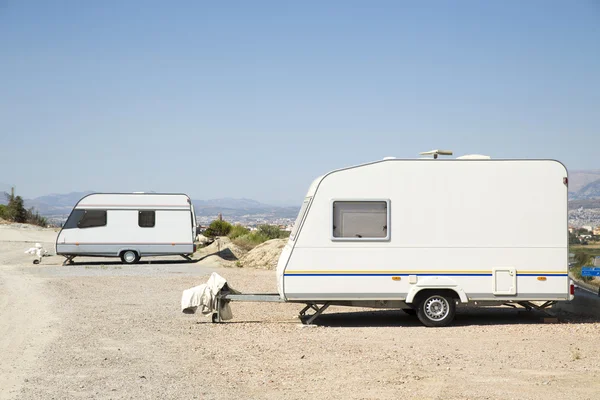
474	157
436	153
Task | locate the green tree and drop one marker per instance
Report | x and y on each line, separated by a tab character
272	232
3	211
218	228
34	217
15	210
238	231
573	239
582	259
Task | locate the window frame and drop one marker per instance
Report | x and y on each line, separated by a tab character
87	210
300	218
154	219
386	238
70	223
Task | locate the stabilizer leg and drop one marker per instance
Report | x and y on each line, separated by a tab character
318	311
68	260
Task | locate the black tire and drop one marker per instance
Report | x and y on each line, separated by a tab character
436	309
130	257
410	311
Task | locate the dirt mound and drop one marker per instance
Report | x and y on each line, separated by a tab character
265	255
222	247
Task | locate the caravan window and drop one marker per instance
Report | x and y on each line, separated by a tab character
147	219
357	220
74	218
92	219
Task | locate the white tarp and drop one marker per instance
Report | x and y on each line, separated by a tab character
205	297
38	251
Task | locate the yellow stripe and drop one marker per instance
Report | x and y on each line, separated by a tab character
382	272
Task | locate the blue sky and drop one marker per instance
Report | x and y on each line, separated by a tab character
255	99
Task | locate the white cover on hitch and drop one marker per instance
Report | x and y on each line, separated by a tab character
205	297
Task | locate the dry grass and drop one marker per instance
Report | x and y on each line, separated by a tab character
589	246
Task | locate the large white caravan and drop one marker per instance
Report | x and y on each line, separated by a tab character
129	226
426	234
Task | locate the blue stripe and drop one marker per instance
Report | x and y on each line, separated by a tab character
387	274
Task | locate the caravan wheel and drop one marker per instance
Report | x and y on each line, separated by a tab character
129	257
436	309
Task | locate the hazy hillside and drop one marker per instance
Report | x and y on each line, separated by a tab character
56	204
229	202
589	191
585	204
578	179
584	188
230	207
584	184
62	204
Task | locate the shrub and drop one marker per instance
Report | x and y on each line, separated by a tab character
238	231
250	240
34	217
218	228
581	259
270	231
15	210
573	239
273	232
247	240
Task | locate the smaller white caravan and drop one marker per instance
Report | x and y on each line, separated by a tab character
129	226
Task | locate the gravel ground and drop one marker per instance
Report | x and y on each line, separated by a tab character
106	331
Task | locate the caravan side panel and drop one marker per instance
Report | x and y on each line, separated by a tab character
453	223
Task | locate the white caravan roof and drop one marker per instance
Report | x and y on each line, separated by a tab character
475	158
135	201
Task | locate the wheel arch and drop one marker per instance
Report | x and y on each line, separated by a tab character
124	249
417	292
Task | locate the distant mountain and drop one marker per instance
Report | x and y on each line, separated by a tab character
62	204
584	185
585	204
589	191
230	207
584	191
228	202
579	178
56	204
